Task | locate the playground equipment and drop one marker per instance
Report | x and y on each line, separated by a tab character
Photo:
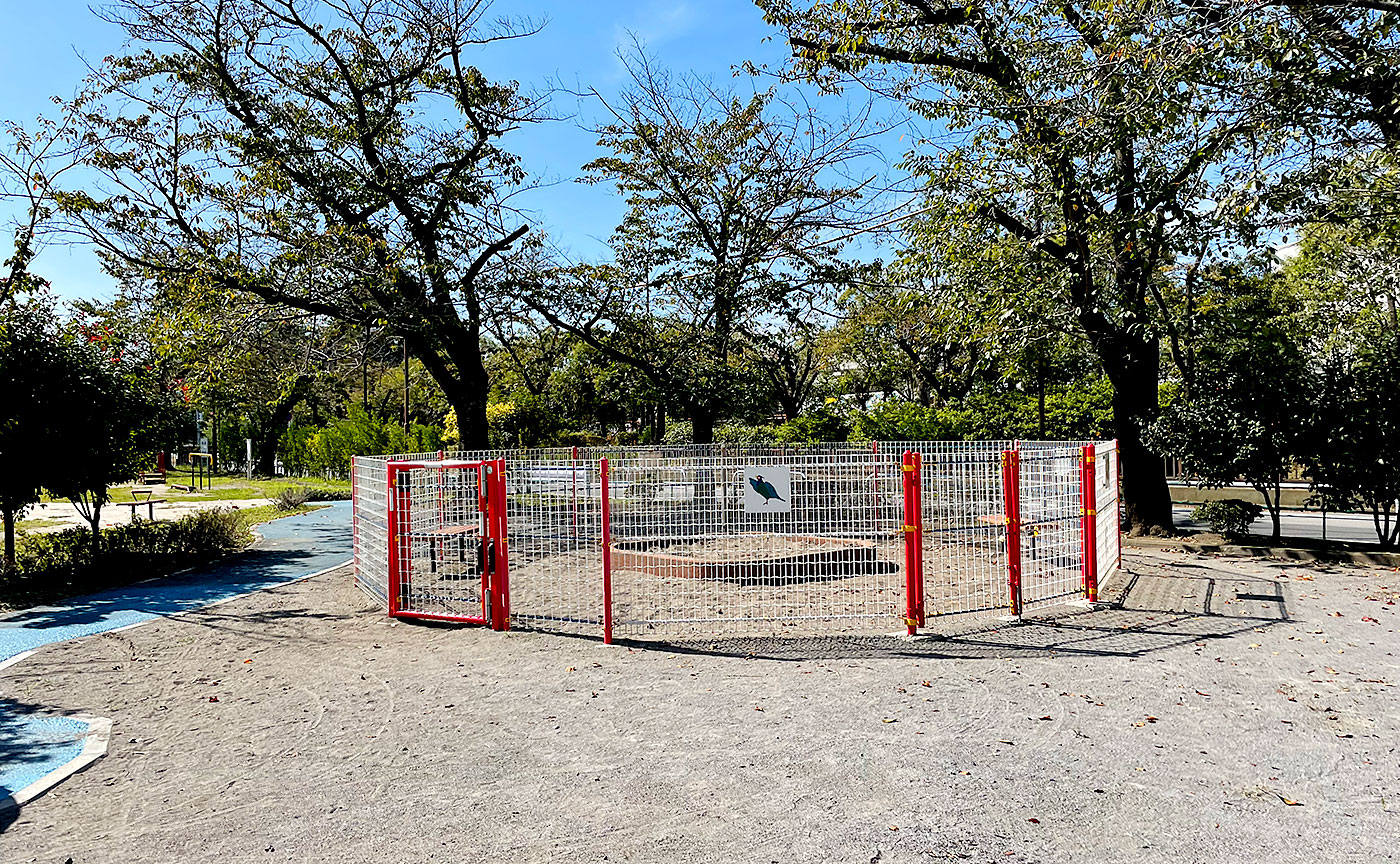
712	539
201	473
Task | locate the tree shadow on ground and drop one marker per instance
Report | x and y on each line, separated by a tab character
238	574
1150	612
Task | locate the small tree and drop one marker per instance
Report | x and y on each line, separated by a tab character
1246	418
38	372
104	431
1355	460
736	214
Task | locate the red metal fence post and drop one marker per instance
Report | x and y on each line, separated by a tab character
500	576
392	526
1011	489
919	535
1088	523
911	616
607	554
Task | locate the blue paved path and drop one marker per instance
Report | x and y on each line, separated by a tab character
32	745
291	548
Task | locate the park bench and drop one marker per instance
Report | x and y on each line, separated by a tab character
149	502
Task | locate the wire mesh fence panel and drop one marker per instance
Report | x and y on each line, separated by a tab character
370	526
554	520
440	559
1052	533
773	543
1107	520
965	568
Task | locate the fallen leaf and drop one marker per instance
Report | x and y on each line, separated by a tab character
1047	717
1033	821
213	698
890	720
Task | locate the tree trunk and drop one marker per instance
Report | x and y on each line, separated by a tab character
269	434
96	529
9	541
1146	498
703	425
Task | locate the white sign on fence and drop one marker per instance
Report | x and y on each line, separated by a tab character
767	489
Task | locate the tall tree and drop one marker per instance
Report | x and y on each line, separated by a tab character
736	210
1094	135
339	159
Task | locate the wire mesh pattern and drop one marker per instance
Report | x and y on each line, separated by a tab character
964	527
686	555
1108	538
1052	531
440	560
370	526
692	556
554	517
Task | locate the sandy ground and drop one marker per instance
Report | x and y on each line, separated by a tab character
66	515
1231	711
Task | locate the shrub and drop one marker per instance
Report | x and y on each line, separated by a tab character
1231	517
292	498
814	428
326	494
679	432
52	566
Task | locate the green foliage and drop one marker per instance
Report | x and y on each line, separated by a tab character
52	566
905	421
1354	451
1230	517
308	450
526	420
1246	416
816	427
679	432
743	433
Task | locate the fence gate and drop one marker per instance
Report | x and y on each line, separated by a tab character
446	524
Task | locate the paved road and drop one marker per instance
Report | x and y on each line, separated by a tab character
36	747
1355	527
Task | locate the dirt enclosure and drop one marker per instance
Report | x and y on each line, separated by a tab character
1229	711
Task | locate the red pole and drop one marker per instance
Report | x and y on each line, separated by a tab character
911	616
919	535
607	555
500	579
391	494
1088	524
1011	485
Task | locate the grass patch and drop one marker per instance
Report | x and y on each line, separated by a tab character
50	567
234	489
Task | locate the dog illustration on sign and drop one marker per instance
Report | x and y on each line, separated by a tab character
767	489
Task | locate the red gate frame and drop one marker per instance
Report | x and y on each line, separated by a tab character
495	592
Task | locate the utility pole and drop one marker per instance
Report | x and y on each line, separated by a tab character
405	389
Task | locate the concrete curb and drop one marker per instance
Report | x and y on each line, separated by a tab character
99	733
1360	557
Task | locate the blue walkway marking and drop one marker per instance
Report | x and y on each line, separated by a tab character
32	744
291	548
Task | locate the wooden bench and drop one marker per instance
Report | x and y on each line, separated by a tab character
149	502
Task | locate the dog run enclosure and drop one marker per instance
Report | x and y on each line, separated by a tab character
706	540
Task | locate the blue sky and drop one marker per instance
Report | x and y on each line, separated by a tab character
578	47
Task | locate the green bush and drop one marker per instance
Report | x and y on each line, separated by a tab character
290	499
1231	517
742	433
52	566
905	421
814	428
679	432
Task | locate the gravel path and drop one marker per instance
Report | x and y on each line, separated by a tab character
1232	711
